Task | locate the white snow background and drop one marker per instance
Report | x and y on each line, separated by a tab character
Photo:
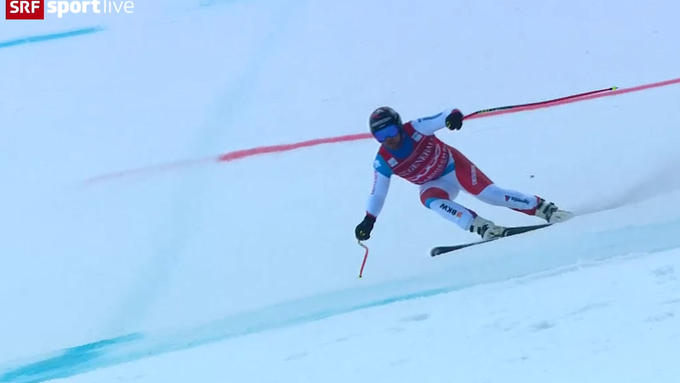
246	271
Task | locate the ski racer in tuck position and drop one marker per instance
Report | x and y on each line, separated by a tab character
411	151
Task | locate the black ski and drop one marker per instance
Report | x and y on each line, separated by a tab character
510	231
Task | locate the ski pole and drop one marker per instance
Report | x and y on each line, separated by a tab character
361	272
541	102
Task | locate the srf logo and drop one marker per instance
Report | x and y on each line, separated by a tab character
25	9
35	9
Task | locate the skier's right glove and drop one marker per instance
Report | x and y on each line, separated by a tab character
363	230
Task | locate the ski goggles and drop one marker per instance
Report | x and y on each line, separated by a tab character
386	132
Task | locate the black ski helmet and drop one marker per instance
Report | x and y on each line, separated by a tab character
383	117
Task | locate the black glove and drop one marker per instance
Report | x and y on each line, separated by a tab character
363	230
454	121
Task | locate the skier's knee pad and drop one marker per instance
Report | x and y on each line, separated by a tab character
433	194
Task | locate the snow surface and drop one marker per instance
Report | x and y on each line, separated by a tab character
609	321
247	271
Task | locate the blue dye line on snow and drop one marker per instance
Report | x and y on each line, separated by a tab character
595	246
67	363
48	37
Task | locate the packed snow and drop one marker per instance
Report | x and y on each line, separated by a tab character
209	271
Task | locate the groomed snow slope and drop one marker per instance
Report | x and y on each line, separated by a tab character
251	253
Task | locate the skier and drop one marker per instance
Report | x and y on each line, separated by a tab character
411	151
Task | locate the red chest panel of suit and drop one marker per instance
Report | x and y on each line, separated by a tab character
426	161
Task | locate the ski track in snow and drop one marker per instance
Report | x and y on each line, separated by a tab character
545	288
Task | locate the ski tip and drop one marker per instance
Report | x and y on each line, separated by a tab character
438	250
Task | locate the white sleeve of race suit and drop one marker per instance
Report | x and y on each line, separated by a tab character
381	184
430	124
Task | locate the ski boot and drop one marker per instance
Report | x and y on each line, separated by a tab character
485	228
551	213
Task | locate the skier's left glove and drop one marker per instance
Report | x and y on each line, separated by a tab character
363	230
454	121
